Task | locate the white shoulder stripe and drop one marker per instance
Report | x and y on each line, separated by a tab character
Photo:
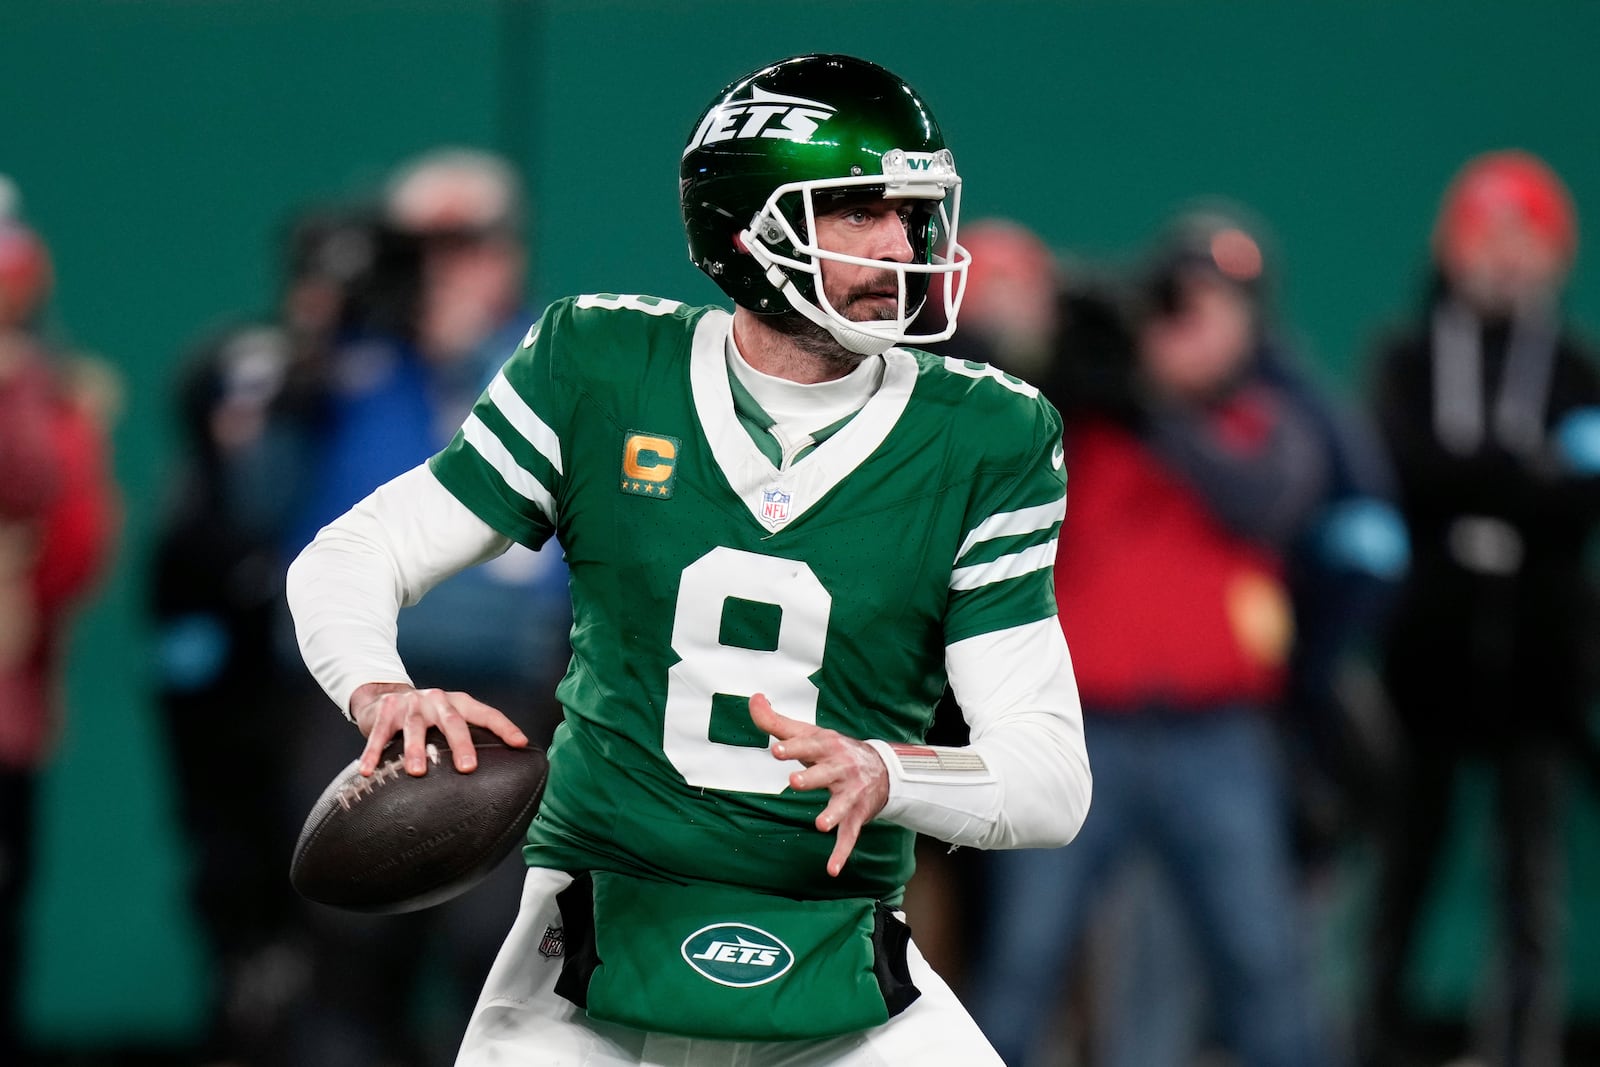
1007	523
528	424
628	302
487	445
986	370
1037	558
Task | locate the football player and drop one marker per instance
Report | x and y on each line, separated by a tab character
785	532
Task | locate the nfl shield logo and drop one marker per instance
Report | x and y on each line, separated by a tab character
775	507
551	944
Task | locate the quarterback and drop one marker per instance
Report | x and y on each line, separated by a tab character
785	533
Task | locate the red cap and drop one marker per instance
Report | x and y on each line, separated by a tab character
1500	184
1004	254
24	273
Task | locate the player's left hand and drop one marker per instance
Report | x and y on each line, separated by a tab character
850	770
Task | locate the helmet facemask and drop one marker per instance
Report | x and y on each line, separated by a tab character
781	240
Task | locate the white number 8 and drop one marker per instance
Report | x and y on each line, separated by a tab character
707	666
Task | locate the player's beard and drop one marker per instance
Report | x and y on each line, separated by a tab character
816	342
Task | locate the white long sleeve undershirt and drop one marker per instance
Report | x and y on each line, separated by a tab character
1030	787
798	410
1018	694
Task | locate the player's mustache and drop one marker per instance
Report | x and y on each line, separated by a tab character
886	285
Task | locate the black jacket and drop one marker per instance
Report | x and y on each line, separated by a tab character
1491	639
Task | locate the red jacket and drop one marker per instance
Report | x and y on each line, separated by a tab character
57	518
1160	603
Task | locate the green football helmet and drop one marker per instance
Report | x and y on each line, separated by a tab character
775	146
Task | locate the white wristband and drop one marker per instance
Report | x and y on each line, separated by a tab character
947	793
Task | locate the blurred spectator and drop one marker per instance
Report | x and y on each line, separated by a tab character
1193	480
57	517
397	386
1491	409
1057	327
395	389
1009	318
248	402
389	325
1009	309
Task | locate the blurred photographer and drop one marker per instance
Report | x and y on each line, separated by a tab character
445	310
392	319
1200	464
250	403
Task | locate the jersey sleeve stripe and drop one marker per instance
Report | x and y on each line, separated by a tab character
534	430
488	446
1010	523
650	305
1013	565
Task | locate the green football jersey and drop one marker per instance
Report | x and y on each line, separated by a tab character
701	574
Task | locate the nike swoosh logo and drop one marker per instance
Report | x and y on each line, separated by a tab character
533	335
1057	456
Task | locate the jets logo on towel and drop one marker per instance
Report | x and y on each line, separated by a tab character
736	954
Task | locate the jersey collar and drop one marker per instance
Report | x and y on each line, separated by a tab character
776	498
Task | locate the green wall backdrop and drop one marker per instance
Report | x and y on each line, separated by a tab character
159	145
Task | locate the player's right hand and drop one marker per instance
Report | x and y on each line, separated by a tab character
383	709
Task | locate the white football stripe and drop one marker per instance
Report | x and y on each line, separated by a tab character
1027	561
1007	523
528	424
487	445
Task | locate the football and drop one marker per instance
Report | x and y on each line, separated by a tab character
394	843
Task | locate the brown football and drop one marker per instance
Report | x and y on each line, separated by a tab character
394	843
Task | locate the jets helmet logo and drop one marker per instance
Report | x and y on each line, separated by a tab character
787	118
736	954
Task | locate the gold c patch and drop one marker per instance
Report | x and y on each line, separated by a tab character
649	464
